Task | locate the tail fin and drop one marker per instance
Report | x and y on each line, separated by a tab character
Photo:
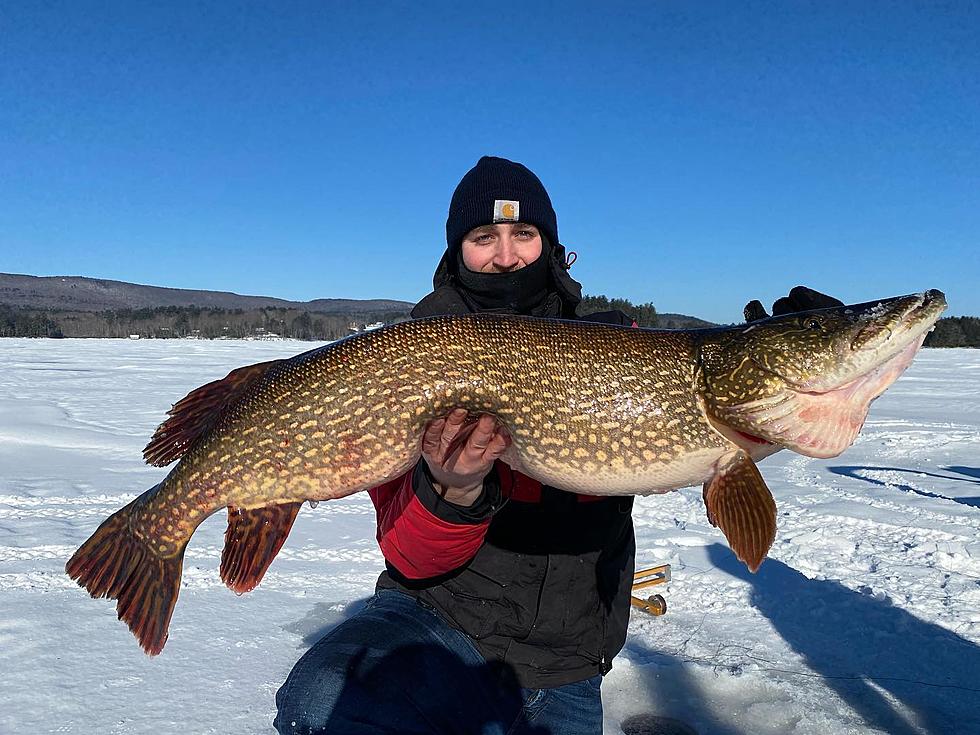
114	563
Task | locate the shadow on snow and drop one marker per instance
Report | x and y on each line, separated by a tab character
675	696
867	650
858	473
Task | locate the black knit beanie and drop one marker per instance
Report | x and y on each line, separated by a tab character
497	190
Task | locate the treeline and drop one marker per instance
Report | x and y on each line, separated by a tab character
955	331
27	323
644	314
169	322
183	322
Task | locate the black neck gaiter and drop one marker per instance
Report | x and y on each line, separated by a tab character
524	291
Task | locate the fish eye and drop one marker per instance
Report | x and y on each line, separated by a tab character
811	322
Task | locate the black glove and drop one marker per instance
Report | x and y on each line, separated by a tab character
800	298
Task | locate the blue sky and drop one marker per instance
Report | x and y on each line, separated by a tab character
699	154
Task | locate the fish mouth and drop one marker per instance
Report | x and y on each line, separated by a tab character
887	333
874	382
905	328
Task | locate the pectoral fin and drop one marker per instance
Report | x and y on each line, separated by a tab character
740	504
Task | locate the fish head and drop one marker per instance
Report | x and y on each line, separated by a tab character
805	381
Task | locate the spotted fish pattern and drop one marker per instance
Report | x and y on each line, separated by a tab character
591	408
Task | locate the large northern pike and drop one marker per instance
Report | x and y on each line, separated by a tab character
590	408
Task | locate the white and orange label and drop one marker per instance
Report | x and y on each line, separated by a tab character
505	210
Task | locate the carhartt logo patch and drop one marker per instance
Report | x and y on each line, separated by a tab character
505	210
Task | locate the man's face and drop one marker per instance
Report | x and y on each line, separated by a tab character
501	248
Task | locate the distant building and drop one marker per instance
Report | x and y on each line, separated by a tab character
355	327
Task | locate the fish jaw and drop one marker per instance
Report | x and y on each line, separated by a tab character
881	334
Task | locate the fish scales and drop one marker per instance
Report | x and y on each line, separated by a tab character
590	408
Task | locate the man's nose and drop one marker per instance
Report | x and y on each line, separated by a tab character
506	253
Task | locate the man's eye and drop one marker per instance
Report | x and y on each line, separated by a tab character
526	233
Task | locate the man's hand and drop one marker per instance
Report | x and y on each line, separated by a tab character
800	298
459	462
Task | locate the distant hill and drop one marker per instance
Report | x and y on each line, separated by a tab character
75	306
77	293
645	315
681	321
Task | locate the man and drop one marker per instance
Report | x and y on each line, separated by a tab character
504	602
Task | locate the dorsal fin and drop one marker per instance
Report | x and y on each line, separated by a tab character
194	414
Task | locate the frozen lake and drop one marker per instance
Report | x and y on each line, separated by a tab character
865	618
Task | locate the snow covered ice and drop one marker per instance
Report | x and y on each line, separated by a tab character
865	618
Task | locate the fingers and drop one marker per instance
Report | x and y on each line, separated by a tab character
455	422
802	298
431	437
470	444
784	305
487	442
440	434
498	445
457	417
805	299
481	435
754	311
